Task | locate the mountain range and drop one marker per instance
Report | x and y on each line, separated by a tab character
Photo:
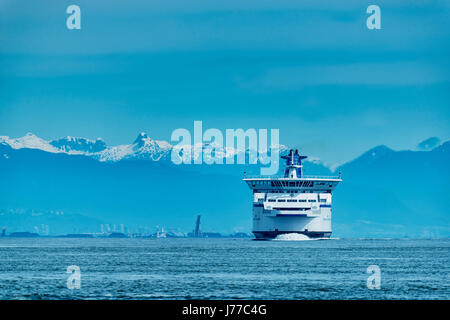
143	148
384	193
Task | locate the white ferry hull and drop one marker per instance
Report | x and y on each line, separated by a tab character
313	221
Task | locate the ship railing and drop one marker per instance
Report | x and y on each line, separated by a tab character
283	178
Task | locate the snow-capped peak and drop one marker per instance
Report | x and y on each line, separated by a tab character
143	147
29	141
142	135
142	139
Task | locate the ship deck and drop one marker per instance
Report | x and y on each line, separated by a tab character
282	178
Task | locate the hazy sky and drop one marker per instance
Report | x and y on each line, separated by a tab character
310	68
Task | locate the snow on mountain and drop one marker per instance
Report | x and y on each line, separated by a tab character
29	141
143	148
210	151
146	148
72	145
114	153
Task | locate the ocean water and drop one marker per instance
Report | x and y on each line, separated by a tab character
223	269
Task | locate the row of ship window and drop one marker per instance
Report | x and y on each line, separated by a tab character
290	183
288	191
296	200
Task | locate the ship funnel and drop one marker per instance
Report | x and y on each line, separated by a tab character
293	164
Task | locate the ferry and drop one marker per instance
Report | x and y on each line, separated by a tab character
293	203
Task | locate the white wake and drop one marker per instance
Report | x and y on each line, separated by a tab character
298	237
292	237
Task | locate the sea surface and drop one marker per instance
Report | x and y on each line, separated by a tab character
223	268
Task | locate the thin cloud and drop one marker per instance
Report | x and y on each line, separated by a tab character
386	74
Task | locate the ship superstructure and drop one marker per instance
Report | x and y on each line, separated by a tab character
293	203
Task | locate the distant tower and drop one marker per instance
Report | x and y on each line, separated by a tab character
3	231
44	229
197	232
